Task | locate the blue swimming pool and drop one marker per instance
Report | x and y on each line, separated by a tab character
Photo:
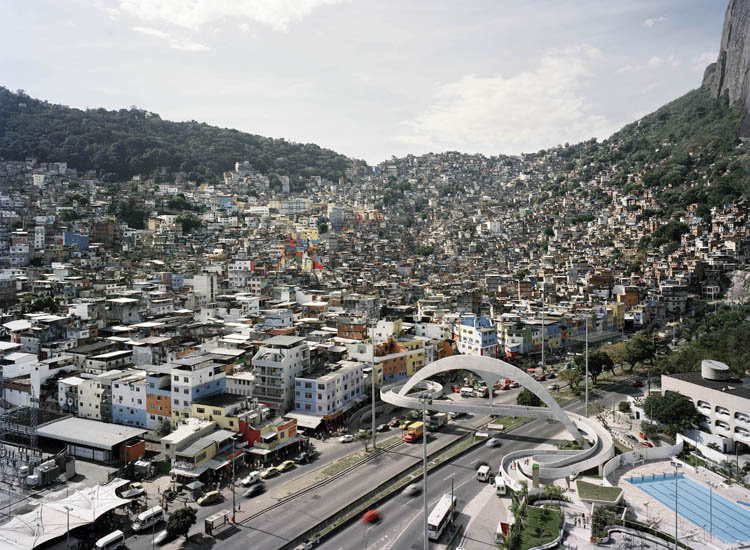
731	522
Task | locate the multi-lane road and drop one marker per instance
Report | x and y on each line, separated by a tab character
269	521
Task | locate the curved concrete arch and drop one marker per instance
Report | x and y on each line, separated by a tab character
490	370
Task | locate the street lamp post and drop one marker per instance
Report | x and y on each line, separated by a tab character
372	379
542	328
675	505
232	457
587	366
67	530
424	400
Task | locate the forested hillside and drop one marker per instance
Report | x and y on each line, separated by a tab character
120	144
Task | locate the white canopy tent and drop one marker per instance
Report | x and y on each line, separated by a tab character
49	520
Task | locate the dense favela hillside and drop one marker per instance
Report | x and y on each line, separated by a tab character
121	144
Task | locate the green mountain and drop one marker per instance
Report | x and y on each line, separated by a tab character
120	144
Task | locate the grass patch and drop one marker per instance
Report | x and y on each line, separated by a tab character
541	525
591	491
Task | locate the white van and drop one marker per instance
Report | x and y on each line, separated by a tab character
466	391
115	539
500	485
251	478
148	518
483	473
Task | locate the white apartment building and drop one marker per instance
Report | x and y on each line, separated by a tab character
129	400
95	394
67	394
112	360
192	378
241	383
276	364
332	391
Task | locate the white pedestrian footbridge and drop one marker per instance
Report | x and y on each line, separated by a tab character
518	465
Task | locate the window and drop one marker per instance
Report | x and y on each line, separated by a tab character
140	402
176	401
320	396
185	391
200	410
307	406
231	422
176	378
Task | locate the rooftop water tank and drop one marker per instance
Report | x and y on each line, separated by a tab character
714	370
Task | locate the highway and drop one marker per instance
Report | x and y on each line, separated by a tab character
270	520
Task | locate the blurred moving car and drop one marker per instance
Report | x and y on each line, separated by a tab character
413	489
493	442
382	428
394	423
346	438
163	536
253	490
371	516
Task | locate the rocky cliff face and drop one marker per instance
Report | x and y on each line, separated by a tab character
731	73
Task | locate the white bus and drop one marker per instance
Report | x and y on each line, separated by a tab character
441	516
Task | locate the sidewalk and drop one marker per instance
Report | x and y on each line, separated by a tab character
485	512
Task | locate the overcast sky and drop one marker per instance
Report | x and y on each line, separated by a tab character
369	78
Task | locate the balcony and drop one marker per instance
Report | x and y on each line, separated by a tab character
742	418
722	427
742	434
722	411
704	406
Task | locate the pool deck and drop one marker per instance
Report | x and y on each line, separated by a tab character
649	509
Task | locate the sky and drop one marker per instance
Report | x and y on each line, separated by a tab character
369	78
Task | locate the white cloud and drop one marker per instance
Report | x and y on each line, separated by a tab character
193	14
701	61
523	112
173	41
650	22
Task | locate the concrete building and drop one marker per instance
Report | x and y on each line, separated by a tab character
158	399
477	336
723	402
194	377
129	400
276	364
331	391
241	383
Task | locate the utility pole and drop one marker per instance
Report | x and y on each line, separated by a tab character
67	541
675	506
372	379
424	470
587	366
543	328
232	457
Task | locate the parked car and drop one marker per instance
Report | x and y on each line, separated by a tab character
371	516
554	387
382	428
209	498
134	491
286	465
637	383
456	389
632	438
270	472
250	478
346	438
646	444
394	422
515	385
302	458
551	375
253	490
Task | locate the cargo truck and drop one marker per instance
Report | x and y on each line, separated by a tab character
414	432
437	421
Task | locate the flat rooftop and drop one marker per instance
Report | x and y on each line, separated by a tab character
283	341
733	386
220	400
90	433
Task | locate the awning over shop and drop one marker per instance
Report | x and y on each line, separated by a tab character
266	452
306	420
50	520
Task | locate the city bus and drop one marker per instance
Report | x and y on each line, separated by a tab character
441	516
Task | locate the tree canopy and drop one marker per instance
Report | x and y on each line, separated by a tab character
181	520
121	144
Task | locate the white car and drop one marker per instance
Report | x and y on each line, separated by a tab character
493	442
347	438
